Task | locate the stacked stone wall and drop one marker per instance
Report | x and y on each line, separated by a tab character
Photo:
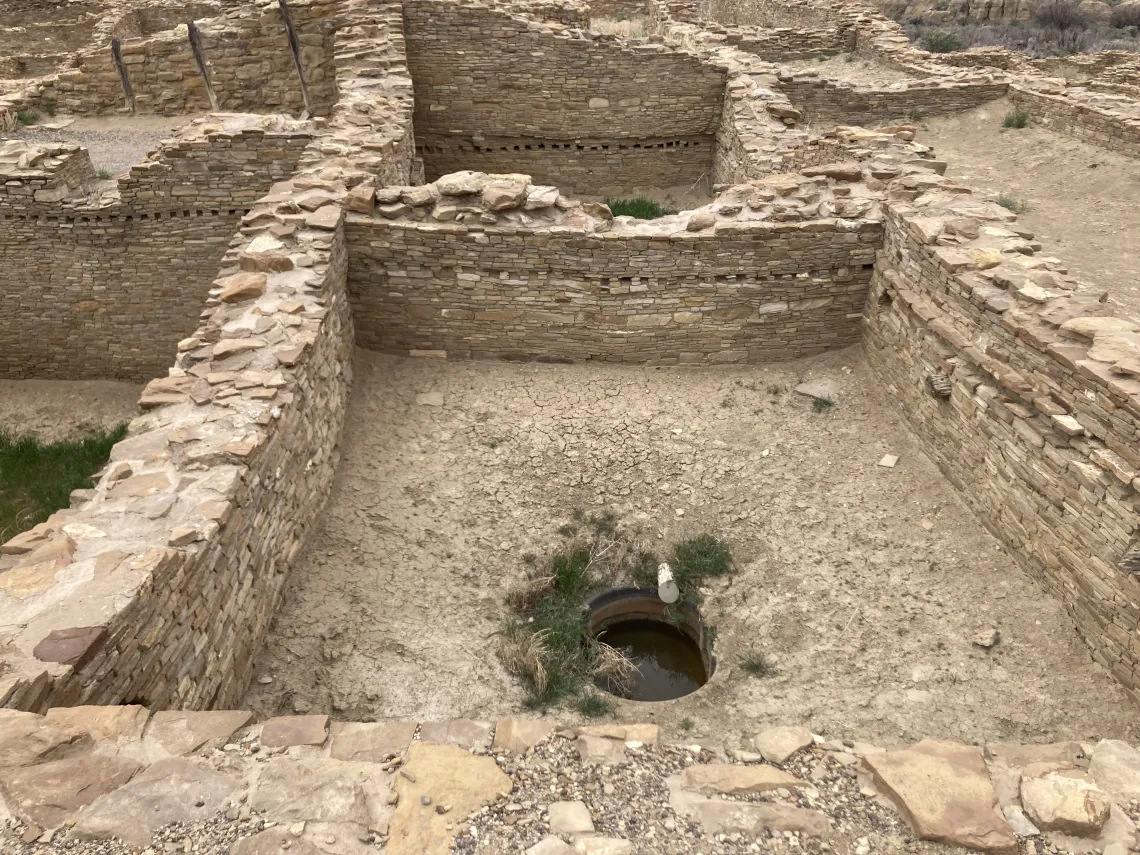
250	64
784	44
757	293
601	167
1040	438
161	581
1109	129
163	237
487	81
823	100
618	9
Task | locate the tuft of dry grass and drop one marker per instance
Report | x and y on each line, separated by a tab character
524	595
613	666
522	654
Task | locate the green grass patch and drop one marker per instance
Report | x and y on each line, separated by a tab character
105	174
757	665
544	641
1018	118
1012	203
36	478
27	117
48	105
822	405
642	209
593	705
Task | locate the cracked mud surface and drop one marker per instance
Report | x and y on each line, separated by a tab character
865	585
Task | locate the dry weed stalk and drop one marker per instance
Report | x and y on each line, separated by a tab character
612	665
525	594
522	654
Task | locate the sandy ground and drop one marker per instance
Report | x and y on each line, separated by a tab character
1084	201
451	473
115	143
58	409
854	70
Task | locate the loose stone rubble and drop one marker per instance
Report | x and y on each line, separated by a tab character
73	781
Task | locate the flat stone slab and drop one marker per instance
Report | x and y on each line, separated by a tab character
464	732
182	732
311	790
371	742
172	790
570	818
726	779
647	733
944	791
1066	801
26	738
551	845
718	816
601	751
780	744
822	388
1115	767
518	736
105	724
47	794
603	846
450	778
287	730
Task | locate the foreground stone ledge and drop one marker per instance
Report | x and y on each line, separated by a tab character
365	785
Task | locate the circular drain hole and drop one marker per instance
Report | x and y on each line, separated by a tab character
668	645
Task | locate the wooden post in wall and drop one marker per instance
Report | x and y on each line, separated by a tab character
117	56
295	48
200	60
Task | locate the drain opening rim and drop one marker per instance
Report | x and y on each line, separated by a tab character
630	603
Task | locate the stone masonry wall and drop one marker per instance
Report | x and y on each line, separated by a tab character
1083	121
784	44
763	293
157	585
486	80
248	57
1039	427
823	100
162	238
594	167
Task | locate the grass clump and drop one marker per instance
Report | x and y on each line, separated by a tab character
941	41
1011	203
1018	118
757	665
593	705
48	105
105	174
27	116
822	405
545	641
641	209
36	478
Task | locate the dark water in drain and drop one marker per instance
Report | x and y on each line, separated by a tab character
669	661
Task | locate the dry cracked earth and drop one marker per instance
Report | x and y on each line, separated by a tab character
867	587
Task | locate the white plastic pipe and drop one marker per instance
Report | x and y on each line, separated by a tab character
667	588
